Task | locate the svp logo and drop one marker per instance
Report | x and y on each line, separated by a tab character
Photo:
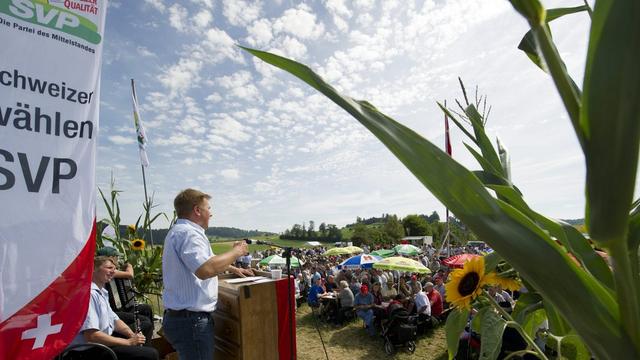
40	12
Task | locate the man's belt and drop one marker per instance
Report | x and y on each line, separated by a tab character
184	313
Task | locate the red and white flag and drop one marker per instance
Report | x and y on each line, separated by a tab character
49	99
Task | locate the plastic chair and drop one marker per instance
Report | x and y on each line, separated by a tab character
101	349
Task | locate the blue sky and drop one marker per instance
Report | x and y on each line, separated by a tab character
272	152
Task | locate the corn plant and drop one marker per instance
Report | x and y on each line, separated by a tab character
146	260
584	299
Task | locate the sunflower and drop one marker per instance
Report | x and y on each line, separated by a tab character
465	284
507	283
131	229
137	244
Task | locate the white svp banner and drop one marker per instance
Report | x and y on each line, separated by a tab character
50	56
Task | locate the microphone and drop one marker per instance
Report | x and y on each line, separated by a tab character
257	242
248	241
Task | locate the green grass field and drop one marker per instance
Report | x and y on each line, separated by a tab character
352	342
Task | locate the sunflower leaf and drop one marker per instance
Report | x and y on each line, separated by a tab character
456	321
491	331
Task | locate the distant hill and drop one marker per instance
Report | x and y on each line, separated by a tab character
216	231
574	221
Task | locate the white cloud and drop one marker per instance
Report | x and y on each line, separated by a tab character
121	140
206	3
300	22
260	33
144	52
240	12
226	130
340	13
291	48
231	174
156	4
182	76
178	17
203	19
215	47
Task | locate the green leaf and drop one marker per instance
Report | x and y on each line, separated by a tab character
486	166
572	347
557	323
491	331
533	320
457	123
610	117
491	260
532	10
528	42
488	152
456	321
526	303
520	241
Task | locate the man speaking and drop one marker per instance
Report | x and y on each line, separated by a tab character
190	271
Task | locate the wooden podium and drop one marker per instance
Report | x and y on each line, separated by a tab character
249	320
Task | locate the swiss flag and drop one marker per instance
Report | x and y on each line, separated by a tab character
47	324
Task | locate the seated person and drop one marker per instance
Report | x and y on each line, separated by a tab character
435	300
390	291
314	293
423	306
331	284
363	304
103	326
346	299
126	311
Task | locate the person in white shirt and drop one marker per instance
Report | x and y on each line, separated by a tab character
103	326
423	306
190	276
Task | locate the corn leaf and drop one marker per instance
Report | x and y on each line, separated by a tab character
521	242
610	117
528	42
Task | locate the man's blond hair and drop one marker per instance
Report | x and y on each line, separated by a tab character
99	260
186	200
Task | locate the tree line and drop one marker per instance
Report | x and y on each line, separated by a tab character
384	230
325	232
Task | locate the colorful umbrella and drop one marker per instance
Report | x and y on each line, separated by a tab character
457	261
337	251
385	253
359	262
354	249
277	260
401	264
407	250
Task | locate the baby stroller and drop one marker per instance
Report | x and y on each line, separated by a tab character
399	330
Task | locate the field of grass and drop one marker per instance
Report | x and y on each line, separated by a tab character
352	342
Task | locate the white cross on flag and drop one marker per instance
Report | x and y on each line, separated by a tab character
50	55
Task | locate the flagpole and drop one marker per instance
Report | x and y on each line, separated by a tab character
144	178
447	146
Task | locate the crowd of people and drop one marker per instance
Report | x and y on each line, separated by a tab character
337	294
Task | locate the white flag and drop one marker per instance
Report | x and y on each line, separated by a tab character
50	56
140	133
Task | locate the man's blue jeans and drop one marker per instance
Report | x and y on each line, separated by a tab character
367	316
190	334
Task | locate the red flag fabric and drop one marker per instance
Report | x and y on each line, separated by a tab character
286	335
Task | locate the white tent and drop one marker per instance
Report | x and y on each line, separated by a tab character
313	243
